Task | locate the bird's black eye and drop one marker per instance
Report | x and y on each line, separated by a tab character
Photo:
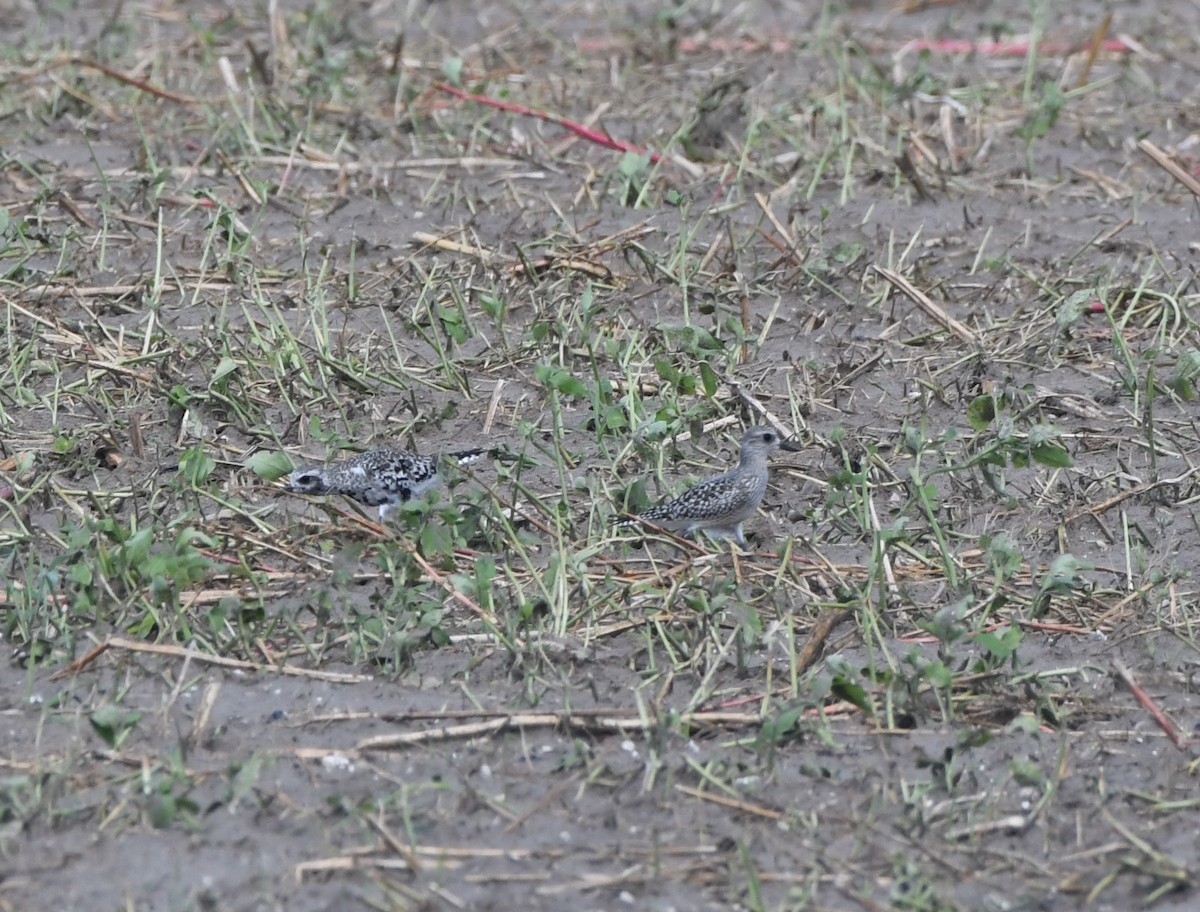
768	437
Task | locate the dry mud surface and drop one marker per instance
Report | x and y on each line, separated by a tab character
961	278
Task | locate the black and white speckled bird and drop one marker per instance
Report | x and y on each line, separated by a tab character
719	505
383	477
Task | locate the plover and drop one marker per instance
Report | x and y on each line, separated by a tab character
384	477
719	505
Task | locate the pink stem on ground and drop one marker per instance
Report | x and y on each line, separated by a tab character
601	139
939	46
1161	719
1008	48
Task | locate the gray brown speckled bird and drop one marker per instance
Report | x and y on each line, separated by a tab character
384	477
719	505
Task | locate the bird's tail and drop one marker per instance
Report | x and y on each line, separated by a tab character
466	457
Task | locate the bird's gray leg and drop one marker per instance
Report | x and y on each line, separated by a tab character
737	534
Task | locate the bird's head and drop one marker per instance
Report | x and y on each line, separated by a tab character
765	440
308	480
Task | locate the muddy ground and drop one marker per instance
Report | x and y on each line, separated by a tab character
235	233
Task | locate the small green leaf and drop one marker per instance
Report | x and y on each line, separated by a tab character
636	498
485	571
974	737
188	538
709	379
225	367
1026	772
1074	307
436	540
1000	645
946	623
269	464
196	465
993	456
136	548
572	386
1064	571
452	68
1002	555
684	384
852	692
929	494
666	370
937	674
632	164
981	412
162	810
179	396
914	440
245	779
492	306
1026	722
847	252
113	724
1052	455
560	380
702	339
1182	380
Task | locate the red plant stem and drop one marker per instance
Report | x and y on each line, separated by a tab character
141	84
575	127
1007	48
1161	719
939	46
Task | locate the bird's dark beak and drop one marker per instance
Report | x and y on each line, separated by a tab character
790	445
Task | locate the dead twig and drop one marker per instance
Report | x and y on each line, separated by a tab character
926	304
203	712
426	239
1108	503
816	639
732	803
81	663
405	852
180	652
139	84
578	721
1094	49
1164	161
